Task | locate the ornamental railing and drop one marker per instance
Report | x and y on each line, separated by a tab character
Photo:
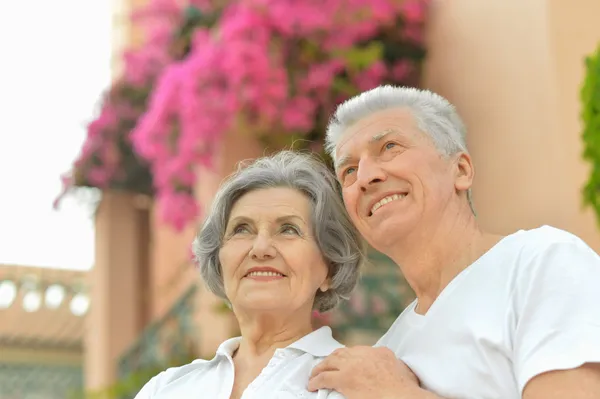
169	341
48	381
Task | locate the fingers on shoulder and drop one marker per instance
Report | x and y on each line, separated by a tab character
324	380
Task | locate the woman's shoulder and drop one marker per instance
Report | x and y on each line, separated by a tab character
172	375
182	376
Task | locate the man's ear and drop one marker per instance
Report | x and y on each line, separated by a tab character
464	172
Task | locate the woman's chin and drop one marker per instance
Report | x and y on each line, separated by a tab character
263	303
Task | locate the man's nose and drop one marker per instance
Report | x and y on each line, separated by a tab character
262	247
369	173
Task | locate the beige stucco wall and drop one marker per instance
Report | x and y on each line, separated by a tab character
114	320
513	68
125	35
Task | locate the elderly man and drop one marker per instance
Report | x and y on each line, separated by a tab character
495	317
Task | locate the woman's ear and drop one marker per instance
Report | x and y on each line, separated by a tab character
326	285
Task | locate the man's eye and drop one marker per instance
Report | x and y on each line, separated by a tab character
290	229
349	171
390	145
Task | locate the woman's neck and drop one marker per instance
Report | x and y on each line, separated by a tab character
263	334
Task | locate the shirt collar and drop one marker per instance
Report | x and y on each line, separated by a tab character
319	343
228	347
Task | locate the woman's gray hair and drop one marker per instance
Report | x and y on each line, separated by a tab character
340	243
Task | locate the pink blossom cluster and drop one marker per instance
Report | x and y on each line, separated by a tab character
275	68
266	66
100	162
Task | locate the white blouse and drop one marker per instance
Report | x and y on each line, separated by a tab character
284	377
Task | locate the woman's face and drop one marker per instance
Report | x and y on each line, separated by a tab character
270	260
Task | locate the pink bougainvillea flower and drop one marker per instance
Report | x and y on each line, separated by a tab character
266	67
177	208
371	77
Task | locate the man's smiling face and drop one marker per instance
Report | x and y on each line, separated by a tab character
393	177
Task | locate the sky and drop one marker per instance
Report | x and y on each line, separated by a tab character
54	66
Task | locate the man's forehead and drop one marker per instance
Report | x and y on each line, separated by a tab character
385	132
343	158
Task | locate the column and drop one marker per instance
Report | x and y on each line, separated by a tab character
118	282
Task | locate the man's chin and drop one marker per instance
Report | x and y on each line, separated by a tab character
386	236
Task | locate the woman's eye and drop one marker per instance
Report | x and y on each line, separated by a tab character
390	145
242	228
290	229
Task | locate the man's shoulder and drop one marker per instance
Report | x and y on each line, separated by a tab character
543	251
527	245
546	234
548	250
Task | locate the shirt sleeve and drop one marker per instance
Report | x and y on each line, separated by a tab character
557	307
148	390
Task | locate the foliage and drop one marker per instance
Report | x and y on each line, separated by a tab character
272	68
590	96
107	157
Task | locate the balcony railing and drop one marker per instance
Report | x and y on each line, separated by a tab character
167	342
49	381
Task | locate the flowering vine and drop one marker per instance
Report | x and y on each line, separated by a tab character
275	68
107	159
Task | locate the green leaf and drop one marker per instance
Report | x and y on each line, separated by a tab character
342	85
590	115
359	58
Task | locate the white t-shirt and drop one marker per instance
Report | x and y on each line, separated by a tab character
284	377
531	304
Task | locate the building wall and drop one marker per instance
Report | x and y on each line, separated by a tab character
514	68
124	34
41	352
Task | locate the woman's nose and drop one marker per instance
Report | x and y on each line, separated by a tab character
262	248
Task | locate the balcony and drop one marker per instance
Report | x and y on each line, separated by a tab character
170	341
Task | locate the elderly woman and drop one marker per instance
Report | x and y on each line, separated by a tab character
276	245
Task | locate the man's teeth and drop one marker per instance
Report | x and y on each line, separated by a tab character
385	200
265	274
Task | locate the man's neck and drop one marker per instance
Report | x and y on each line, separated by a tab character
431	258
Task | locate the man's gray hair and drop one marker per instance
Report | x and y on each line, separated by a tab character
434	115
340	243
